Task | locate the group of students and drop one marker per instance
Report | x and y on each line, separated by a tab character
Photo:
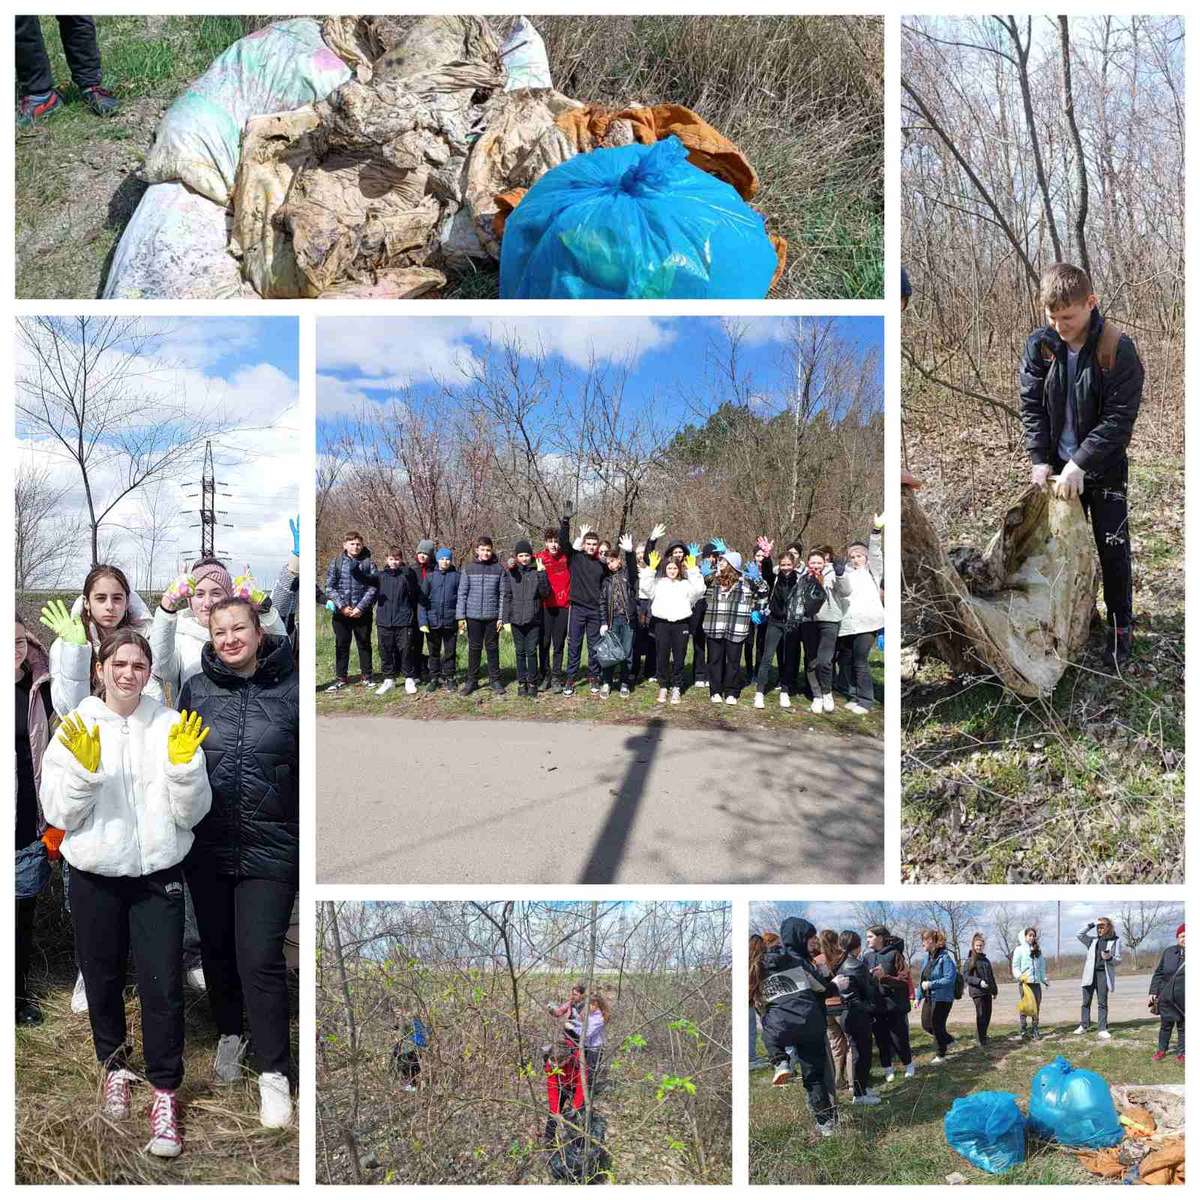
821	1000
574	1063
157	756
636	611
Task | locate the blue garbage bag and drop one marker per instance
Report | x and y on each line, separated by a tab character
634	223
1073	1106
988	1130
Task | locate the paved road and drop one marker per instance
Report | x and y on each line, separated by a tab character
491	802
1060	1002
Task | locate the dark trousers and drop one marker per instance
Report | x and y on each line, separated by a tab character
784	644
583	622
345	628
670	651
1106	506
26	911
812	1055
1098	987
419	651
645	659
983	1015
593	1056
858	1030
482	634
699	644
891	1036
618	673
78	35
527	638
554	640
443	652
724	667
243	923
754	645
111	914
820	641
396	651
843	661
1166	1025
862	686
941	1037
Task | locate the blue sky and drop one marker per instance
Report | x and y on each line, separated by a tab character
364	360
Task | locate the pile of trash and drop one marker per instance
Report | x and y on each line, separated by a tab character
1129	1133
369	156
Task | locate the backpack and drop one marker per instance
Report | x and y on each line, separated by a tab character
958	980
1105	353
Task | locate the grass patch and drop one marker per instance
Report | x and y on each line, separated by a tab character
902	1141
695	712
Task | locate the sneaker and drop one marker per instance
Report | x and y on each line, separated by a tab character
1179	1059
410	686
194	978
857	709
624	689
337	685
227	1065
79	1003
817	706
662	695
386	686
432	686
716	698
731	700
531	691
702	683
604	690
165	1141
33	109
828	1129
889	1075
937	1060
367	681
468	688
1103	1035
910	1070
101	101
651	679
409	1087
868	1098
28	1013
558	688
785	701
498	688
1081	1029
1158	1056
759	701
675	696
274	1100
568	689
116	1094
783	1074
827	703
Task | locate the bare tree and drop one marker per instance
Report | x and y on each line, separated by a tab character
1008	925
1081	178
44	544
1141	920
955	918
153	528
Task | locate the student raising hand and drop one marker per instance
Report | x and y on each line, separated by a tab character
83	745
186	737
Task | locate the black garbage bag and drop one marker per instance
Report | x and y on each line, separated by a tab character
571	1161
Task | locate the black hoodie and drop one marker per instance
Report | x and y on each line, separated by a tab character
397	596
894	995
794	991
587	573
979	978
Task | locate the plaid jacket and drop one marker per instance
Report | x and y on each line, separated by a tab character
728	613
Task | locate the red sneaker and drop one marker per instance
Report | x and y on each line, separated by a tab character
116	1094
1179	1059
31	109
1159	1055
165	1141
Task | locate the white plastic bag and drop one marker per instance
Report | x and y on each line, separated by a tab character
524	57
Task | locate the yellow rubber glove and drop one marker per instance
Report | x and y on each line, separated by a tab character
83	745
654	559
186	737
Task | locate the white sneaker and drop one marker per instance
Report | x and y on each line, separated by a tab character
116	1094
410	686
889	1075
165	1141
731	700
605	689
227	1065
79	996
385	687
715	698
869	1098
826	1130
783	1074
785	701
336	686
702	683
910	1070
1080	1029
827	702
662	695
759	701
274	1100
856	708
937	1060
817	706
675	697
1104	1035
409	1087
194	978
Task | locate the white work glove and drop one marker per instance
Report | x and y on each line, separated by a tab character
625	541
1070	482
1040	475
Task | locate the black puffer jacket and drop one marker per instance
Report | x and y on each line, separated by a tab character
252	830
979	977
795	1003
893	991
1106	402
1167	984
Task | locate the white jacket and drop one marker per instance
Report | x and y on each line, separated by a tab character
837	592
1091	940
177	640
71	665
864	605
674	599
646	578
135	814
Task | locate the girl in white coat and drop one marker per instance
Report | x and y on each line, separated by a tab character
125	781
1103	952
863	617
673	595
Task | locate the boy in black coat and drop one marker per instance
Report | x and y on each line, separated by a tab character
524	588
396	597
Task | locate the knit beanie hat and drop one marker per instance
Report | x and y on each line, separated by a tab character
217	574
1179	931
707	549
734	559
443	552
426	546
523	546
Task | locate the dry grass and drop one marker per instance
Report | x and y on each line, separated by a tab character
61	1136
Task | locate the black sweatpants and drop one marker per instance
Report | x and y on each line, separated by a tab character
419	650
583	622
645	659
243	923
862	686
891	1036
786	646
443	652
482	634
941	1012
111	915
26	912
858	1030
78	35
345	628
396	658
754	645
843	659
724	667
983	1015
670	651
699	642
554	640
1166	1025
820	641
1099	988
1108	510
527	638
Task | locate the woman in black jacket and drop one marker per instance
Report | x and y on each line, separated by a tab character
1167	996
862	998
779	639
244	866
981	985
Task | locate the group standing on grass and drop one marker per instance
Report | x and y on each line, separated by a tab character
172	775
636	612
820	999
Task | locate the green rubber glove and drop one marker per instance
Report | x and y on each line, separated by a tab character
58	617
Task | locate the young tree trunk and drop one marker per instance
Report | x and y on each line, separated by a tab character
1081	180
349	1126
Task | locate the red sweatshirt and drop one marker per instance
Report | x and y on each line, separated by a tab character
564	1081
558	572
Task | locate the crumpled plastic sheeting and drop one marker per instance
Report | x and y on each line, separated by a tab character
1027	611
359	184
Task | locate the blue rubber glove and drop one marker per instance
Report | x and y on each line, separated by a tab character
706	568
329	604
694	549
719	545
757	618
294	526
879	641
752	572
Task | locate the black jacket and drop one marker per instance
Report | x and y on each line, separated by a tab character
798	1008
619	591
1105	402
397	596
782	585
252	830
862	995
524	589
978	977
587	573
893	996
1167	983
